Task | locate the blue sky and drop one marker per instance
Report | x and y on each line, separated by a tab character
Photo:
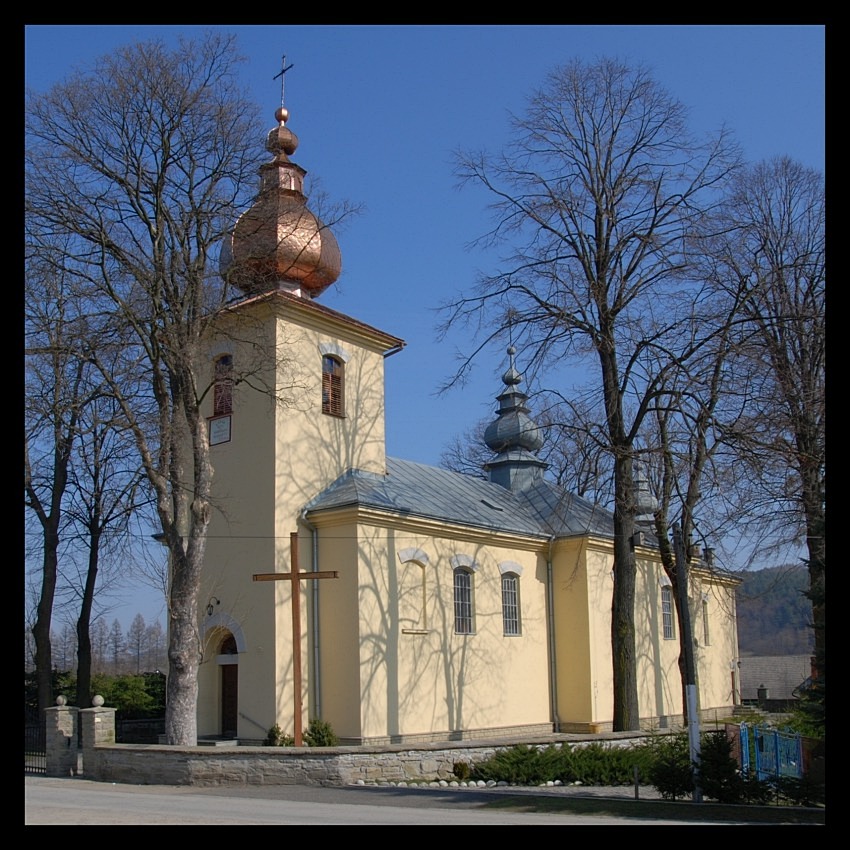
379	109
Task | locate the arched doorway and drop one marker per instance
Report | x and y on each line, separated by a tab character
228	660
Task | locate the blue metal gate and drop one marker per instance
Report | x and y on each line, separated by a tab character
770	753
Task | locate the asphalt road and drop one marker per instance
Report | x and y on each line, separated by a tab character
77	802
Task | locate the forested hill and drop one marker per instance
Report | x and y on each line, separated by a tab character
774	617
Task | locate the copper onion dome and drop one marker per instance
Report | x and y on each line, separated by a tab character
278	243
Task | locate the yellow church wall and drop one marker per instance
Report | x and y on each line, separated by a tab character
339	641
241	541
658	677
462	681
277	414
415	675
314	449
582	589
716	649
572	633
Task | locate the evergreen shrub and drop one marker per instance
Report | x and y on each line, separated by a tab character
277	738
320	733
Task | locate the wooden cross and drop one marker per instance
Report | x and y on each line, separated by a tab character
295	577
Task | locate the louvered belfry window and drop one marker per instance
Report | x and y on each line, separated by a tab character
223	391
333	386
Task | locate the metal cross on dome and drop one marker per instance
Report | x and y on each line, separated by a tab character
282	74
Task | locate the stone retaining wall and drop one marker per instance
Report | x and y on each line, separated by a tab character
155	764
205	766
214	766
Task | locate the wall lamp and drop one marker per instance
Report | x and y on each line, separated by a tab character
214	600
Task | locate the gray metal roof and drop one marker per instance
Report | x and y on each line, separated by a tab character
430	492
780	674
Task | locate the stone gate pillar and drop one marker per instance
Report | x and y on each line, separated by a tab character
61	739
97	728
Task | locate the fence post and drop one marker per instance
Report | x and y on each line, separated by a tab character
60	739
744	746
777	760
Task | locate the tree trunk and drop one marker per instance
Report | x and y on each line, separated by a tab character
184	649
41	627
626	705
84	651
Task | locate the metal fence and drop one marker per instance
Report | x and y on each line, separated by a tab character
35	747
145	731
770	753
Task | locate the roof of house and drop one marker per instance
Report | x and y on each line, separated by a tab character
780	674
430	492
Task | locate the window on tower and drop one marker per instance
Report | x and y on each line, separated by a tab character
219	422
333	386
223	388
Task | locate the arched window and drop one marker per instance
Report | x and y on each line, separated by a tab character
413	591
667	612
223	386
510	604
333	386
463	601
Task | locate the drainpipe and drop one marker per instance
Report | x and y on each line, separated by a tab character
316	678
550	628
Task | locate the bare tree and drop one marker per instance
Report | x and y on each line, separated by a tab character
683	438
136	638
117	647
773	258
155	644
57	389
141	165
597	195
100	645
66	645
106	489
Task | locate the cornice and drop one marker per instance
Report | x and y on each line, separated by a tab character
351	514
309	313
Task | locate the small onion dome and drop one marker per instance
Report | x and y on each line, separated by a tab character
278	242
513	428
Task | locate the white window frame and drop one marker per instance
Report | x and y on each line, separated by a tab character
511	620
463	594
668	619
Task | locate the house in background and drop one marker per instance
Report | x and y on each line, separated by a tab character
421	604
770	681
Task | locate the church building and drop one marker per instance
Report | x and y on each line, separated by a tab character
397	601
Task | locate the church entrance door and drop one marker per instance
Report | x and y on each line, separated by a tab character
229	699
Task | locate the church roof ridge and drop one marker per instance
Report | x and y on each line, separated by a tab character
432	492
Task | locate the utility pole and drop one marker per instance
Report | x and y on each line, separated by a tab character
690	665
